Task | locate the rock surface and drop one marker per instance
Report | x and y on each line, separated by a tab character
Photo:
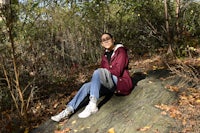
127	114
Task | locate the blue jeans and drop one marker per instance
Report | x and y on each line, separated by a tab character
92	88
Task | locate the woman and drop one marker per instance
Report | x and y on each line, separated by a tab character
112	75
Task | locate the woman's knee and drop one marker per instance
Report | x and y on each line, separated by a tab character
96	72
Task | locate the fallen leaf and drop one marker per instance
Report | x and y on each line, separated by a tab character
150	82
62	131
163	107
155	67
184	122
55	105
198	101
73	122
111	130
164	113
26	130
162	78
172	88
63	122
144	128
66	130
58	131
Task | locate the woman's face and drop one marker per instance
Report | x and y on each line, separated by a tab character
107	42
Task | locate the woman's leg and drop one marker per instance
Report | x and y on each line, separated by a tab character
91	108
95	88
92	88
79	97
95	85
74	103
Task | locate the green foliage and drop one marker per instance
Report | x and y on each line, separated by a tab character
191	19
49	33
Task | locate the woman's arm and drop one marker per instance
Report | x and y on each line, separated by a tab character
118	62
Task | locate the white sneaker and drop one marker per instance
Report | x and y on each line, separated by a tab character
62	115
91	108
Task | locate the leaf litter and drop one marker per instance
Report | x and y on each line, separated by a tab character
186	110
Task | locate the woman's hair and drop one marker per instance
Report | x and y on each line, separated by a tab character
107	34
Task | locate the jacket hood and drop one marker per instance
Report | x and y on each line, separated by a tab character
116	47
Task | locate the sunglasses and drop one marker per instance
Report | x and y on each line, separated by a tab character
105	39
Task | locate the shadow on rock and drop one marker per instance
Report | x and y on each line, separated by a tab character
159	73
136	77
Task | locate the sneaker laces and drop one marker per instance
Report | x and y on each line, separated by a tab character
64	113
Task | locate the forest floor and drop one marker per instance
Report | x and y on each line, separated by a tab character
186	110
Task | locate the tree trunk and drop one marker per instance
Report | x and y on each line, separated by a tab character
177	18
167	28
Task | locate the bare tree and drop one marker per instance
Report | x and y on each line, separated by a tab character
10	63
167	28
177	17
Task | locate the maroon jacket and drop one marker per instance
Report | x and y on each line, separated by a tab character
118	66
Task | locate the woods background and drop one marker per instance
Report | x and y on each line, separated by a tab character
45	41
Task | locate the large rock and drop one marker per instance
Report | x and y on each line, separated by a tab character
127	114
